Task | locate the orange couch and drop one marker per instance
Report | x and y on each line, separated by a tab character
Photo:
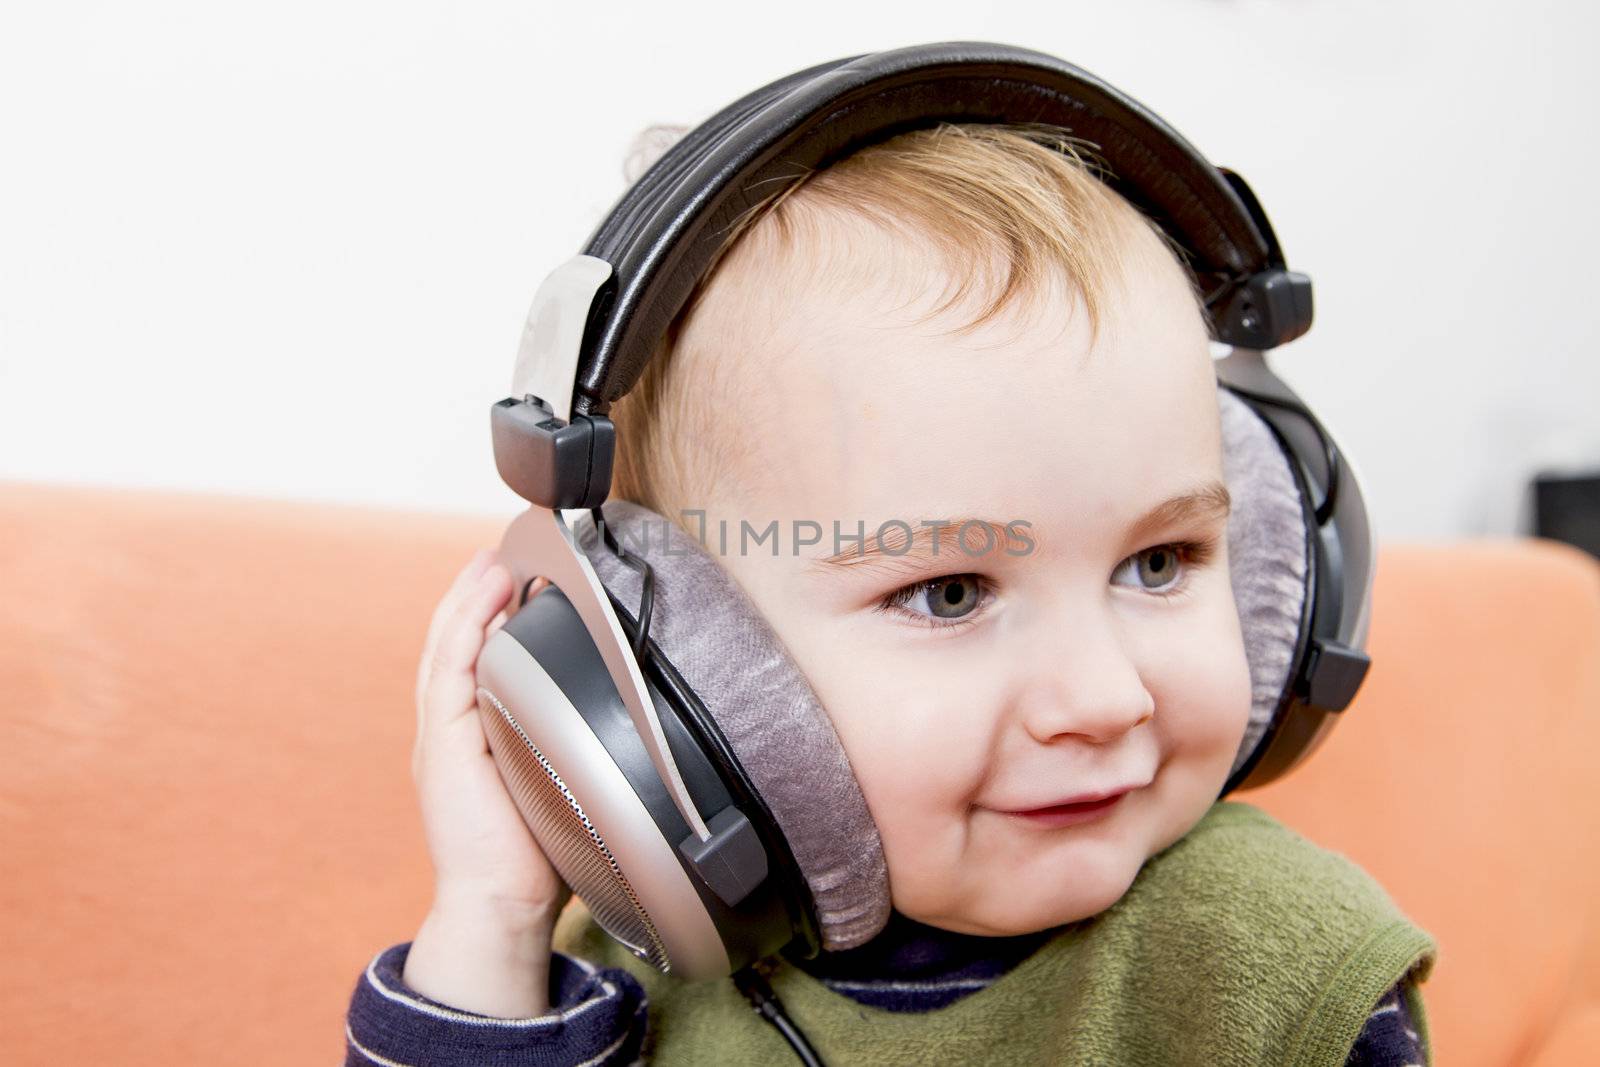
207	824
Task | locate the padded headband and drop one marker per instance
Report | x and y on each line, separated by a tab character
661	236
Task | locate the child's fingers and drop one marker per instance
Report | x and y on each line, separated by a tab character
461	586
442	613
504	614
450	686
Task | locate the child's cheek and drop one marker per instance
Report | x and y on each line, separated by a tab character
917	770
1202	693
904	755
1227	696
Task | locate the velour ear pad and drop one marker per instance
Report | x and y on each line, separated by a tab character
1268	549
706	625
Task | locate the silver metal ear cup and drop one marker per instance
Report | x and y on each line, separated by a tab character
570	841
585	811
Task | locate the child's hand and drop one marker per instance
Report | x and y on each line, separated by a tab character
485	944
484	857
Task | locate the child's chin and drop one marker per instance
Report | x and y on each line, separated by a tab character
1096	884
1027	909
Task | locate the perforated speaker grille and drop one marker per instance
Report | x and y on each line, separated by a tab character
566	835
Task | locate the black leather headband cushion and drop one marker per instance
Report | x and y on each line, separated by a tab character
661	236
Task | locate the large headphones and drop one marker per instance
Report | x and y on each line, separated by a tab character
667	754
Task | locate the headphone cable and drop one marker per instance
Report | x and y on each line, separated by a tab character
755	988
647	580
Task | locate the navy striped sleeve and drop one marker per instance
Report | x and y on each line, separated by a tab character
597	1019
1389	1038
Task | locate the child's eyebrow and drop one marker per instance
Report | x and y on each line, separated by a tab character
972	538
1210	501
948	540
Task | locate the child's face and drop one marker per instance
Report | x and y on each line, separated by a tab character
1036	677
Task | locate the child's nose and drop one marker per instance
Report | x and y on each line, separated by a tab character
1090	686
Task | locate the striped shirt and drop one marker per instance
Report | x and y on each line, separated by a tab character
598	1016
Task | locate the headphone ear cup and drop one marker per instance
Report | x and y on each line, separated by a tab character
1268	560
584	784
716	639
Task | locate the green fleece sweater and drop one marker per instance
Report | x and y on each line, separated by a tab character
1241	943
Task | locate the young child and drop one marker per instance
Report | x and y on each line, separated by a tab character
960	322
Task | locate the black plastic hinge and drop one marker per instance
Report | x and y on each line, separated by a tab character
732	862
548	462
1332	674
1267	309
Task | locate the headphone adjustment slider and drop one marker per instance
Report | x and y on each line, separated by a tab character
549	462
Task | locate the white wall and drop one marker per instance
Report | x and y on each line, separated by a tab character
286	250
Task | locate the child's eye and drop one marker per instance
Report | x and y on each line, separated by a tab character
945	603
1167	566
952	601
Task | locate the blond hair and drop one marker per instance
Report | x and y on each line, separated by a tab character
1029	194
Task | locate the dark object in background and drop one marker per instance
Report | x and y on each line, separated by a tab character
1566	507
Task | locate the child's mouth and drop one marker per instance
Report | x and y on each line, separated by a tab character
1069	814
